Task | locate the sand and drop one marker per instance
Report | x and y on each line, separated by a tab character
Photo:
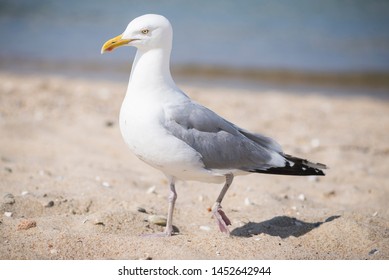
70	188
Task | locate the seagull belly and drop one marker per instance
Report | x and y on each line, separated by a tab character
150	142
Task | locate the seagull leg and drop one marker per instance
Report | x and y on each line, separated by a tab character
221	218
172	201
169	223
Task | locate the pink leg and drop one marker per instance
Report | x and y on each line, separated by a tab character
221	218
169	223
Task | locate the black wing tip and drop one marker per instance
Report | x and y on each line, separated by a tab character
306	171
295	167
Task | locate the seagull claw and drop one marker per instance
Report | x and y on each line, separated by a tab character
221	219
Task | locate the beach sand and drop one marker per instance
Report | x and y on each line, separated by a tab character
70	188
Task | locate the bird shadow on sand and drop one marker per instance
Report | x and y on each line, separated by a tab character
282	226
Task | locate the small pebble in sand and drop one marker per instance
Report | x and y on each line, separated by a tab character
24	193
8	198
8	214
26	224
205	228
98	223
109	123
247	201
313	179
330	194
105	184
151	189
157	220
146	257
53	251
44	172
141	210
49	204
8	169
373	252
301	197
375	213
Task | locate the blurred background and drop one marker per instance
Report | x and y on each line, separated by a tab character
327	43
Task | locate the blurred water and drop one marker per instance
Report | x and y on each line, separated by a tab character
303	35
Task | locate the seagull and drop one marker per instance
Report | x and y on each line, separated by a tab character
163	127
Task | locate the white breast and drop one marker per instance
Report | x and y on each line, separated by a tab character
141	120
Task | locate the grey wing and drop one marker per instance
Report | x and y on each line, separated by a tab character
221	144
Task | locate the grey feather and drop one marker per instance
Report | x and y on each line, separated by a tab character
221	144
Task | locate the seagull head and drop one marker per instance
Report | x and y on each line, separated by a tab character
145	32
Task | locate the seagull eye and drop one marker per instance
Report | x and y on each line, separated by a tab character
145	31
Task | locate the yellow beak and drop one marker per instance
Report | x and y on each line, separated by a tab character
114	43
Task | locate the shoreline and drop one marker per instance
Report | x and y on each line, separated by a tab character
375	83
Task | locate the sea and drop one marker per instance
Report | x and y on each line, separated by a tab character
340	42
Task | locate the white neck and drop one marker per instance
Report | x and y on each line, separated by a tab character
151	69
